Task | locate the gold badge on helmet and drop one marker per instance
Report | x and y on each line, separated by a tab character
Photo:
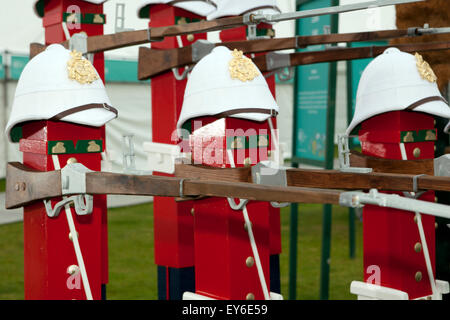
424	68
241	67
80	69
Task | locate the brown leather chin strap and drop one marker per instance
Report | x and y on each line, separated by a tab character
425	100
205	1
66	113
225	114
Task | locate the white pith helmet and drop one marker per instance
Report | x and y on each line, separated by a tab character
39	6
240	7
199	7
394	81
60	85
225	83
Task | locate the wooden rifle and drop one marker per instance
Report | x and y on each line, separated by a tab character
155	61
129	38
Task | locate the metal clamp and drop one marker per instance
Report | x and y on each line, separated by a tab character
277	60
270	174
356	199
149	36
182	76
201	48
239	206
344	156
83	205
78	42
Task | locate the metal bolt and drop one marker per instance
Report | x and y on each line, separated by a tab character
249	262
190	37
250	296
73	269
192	211
70	236
72	160
418	276
416	152
418	247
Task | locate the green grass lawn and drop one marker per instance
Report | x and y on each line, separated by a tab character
132	272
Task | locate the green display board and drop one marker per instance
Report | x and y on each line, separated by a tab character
2	68
315	92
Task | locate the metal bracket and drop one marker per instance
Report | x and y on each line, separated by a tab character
239	206
129	157
183	75
356	199
277	60
344	157
83	205
78	42
201	48
270	174
73	182
284	76
73	178
442	166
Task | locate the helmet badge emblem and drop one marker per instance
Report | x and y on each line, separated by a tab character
80	69
424	69
241	67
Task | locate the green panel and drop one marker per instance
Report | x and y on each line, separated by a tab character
17	65
2	68
314	91
121	71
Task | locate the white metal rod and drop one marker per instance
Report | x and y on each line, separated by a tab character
329	10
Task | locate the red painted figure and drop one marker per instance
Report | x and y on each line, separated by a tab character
227	114
262	30
396	100
173	222
59	111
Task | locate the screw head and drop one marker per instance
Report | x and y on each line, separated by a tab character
249	262
72	160
418	276
250	296
418	247
71	237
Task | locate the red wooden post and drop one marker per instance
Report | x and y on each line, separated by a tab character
173	222
48	249
391	239
396	100
80	16
232	252
224	262
238	34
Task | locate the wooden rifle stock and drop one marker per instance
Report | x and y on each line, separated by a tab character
24	186
342	54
